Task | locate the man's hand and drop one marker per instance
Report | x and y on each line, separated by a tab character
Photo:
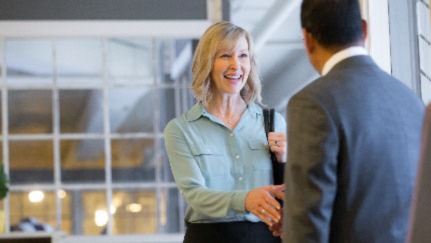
277	228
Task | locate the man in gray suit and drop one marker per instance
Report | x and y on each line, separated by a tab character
353	138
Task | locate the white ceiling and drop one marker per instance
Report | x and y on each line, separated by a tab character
275	26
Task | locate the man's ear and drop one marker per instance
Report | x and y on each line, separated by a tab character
308	41
364	30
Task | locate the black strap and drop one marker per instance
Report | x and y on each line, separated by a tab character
266	121
277	168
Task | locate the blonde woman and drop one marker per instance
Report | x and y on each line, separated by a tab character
218	150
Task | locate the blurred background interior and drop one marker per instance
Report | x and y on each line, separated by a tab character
87	88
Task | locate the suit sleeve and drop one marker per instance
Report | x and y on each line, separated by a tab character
310	174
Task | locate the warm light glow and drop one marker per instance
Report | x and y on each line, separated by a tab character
101	217
36	196
117	201
134	207
61	194
113	209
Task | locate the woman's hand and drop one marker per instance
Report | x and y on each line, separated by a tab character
261	202
278	144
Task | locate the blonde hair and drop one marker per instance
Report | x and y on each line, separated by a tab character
222	36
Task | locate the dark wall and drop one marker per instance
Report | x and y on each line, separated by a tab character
103	9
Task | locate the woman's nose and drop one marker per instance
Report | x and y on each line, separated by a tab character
234	62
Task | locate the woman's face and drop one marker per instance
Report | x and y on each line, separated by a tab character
231	68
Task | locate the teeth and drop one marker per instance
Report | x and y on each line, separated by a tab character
235	77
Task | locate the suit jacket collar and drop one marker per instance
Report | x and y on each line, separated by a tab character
353	63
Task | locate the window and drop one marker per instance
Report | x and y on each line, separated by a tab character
424	38
82	137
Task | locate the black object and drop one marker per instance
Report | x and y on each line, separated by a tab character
277	168
233	232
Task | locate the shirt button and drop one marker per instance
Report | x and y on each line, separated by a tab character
231	135
241	178
237	157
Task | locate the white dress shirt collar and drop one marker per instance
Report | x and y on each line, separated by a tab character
341	55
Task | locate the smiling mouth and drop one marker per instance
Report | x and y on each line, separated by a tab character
233	77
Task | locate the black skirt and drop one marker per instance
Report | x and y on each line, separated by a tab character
235	232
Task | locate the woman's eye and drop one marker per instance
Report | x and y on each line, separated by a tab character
244	55
225	55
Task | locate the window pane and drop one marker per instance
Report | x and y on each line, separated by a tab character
82	160
79	212
173	102
68	211
95	216
37	206
175	59
131	110
426	89
31	162
133	160
130	60
136	212
172	219
29	62
72	70
30	111
81	111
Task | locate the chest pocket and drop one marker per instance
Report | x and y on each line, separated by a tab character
210	160
260	155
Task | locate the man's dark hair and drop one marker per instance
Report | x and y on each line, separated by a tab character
332	22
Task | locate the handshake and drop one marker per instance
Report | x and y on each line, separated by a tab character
263	203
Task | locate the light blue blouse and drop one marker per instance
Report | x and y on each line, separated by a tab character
215	167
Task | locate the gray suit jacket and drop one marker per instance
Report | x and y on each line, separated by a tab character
353	150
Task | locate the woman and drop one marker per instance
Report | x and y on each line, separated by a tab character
218	150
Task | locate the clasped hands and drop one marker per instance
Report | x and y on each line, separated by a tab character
262	203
